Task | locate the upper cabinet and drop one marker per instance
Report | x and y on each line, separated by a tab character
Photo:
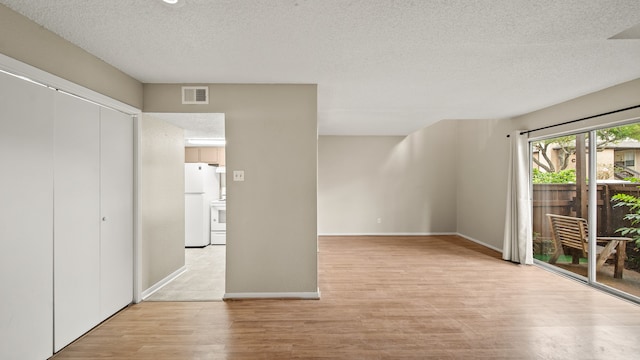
191	155
221	157
209	155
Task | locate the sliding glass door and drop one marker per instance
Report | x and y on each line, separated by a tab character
584	228
560	192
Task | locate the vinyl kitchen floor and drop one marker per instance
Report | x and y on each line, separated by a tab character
203	280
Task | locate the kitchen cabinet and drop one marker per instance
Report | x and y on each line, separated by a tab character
208	155
221	157
191	155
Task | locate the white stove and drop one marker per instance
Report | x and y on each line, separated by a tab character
218	222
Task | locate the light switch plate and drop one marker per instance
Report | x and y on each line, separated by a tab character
238	175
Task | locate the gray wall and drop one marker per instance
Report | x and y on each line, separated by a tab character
448	177
30	43
271	129
484	147
409	183
482	179
616	97
161	199
271	133
457	168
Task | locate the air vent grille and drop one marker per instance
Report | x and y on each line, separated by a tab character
195	95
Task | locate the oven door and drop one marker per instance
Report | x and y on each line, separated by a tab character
218	218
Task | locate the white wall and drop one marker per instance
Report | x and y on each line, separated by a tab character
409	183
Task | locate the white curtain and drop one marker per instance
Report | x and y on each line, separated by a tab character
518	245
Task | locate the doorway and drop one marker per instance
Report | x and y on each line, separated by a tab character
203	278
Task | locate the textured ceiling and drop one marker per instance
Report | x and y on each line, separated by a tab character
382	67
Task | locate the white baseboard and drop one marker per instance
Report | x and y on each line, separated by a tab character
273	295
160	284
416	234
391	234
479	242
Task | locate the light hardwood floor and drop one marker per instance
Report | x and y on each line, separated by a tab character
438	297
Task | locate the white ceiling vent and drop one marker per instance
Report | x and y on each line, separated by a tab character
195	94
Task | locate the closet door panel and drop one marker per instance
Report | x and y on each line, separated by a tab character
26	220
116	236
77	218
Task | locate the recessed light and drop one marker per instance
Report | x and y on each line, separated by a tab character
207	142
173	3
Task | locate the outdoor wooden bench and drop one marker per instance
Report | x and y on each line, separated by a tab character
572	232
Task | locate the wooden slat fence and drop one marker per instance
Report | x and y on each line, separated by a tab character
560	199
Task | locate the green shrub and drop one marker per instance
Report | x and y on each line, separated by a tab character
562	177
633	204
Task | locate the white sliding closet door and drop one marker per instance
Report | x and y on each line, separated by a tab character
116	189
93	233
26	220
66	217
77	218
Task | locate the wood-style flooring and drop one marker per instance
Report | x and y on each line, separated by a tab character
437	297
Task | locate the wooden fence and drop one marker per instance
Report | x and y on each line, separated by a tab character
560	199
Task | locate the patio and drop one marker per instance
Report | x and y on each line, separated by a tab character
563	199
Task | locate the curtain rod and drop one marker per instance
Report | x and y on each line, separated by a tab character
577	120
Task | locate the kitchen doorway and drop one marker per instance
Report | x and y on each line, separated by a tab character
203	278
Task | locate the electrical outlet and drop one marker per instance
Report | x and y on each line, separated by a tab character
238	175
379	220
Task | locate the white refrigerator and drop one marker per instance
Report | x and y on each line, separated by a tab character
201	186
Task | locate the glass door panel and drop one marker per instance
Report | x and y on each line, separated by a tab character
617	255
560	182
560	202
